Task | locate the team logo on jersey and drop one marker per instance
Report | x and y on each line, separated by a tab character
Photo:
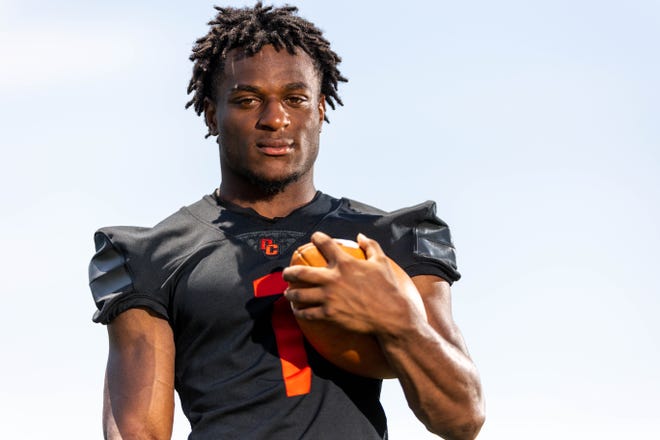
269	247
272	244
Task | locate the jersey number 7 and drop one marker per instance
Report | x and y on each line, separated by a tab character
296	372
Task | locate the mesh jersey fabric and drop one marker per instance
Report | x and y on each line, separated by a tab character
198	268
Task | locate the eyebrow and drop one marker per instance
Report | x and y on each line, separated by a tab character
252	89
244	88
296	86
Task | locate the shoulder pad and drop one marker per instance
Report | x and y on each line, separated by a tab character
363	207
108	275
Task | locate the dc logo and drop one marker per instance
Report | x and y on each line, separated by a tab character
268	247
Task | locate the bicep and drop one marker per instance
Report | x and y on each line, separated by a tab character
436	295
140	375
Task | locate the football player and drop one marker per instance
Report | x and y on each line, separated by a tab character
200	302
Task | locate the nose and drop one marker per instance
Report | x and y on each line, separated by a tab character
273	116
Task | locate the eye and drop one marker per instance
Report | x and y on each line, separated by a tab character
296	100
246	101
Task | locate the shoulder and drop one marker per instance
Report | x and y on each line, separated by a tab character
187	228
360	207
136	263
422	215
414	236
419	212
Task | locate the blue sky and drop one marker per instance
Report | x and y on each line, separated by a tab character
532	124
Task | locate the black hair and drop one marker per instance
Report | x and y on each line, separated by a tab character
251	29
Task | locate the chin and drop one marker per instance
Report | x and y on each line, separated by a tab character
272	186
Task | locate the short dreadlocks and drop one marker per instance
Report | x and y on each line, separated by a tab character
251	29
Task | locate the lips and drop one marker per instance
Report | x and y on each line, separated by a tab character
275	147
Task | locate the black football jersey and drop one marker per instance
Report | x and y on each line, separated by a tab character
243	369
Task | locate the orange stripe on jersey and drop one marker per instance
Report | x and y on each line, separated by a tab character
296	372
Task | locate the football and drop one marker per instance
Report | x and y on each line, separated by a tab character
354	352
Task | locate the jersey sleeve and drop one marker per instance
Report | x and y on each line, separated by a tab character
120	277
417	240
139	267
421	242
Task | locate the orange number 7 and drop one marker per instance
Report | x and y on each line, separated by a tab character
295	370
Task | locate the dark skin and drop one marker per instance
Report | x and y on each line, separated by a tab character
268	114
428	354
138	398
268	117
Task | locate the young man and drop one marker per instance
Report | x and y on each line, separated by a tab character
199	302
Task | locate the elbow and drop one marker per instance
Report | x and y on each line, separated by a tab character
464	425
465	428
461	419
136	433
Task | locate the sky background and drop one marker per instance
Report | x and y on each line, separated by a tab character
533	124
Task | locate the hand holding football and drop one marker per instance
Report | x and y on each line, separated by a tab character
355	352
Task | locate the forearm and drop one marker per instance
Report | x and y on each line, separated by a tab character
421	342
440	382
143	412
110	429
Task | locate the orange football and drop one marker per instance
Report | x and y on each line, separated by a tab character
354	352
309	255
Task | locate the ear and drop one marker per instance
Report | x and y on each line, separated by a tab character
210	116
321	108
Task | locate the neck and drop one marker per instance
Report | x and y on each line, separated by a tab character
292	197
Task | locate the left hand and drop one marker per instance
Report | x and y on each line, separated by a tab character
364	296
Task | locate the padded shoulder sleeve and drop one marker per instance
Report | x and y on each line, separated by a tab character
118	276
418	241
433	245
138	267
